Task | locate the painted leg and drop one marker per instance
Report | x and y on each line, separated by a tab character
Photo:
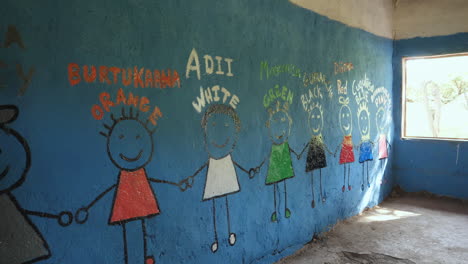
148	259
214	246
134	242
349	174
321	191
125	244
313	192
383	177
344	178
287	212
368	182
363	175
232	236
274	216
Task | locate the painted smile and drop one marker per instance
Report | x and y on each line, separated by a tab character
220	146
122	156
315	130
4	172
346	127
280	137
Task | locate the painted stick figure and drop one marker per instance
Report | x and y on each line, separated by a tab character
130	148
381	120
316	158
365	146
346	125
21	241
221	126
280	164
361	91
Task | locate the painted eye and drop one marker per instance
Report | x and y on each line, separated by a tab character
283	119
213	123
137	136
313	116
347	115
226	124
121	136
318	116
343	115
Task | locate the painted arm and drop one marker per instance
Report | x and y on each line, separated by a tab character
302	152
81	215
328	150
292	150
188	182
336	150
64	218
240	167
163	181
252	172
356	147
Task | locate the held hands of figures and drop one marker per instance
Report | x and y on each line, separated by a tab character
254	172
65	218
186	183
81	215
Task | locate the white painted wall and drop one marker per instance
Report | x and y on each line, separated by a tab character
374	16
397	19
426	18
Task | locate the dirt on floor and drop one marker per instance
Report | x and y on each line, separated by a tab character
406	228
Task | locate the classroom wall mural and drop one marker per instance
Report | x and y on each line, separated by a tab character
221	126
279	124
382	100
361	92
22	242
346	125
189	133
24	75
316	159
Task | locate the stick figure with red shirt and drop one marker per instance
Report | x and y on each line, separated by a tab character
346	153
130	148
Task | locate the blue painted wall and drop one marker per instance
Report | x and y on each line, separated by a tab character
428	165
70	165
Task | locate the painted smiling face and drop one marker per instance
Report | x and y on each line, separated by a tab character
316	121
280	126
380	120
129	144
364	122
346	119
222	126
14	159
220	135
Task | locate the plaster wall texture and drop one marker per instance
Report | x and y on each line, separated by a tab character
375	16
426	18
255	54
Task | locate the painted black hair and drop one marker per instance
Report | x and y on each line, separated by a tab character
221	109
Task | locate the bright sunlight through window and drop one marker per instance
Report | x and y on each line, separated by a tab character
435	97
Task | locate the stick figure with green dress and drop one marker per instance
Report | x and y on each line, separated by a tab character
280	163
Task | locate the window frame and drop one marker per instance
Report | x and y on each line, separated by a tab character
404	59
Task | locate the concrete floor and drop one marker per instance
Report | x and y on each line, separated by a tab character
409	229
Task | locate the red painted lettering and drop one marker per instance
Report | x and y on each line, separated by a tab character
74	74
137	77
89	77
104	98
